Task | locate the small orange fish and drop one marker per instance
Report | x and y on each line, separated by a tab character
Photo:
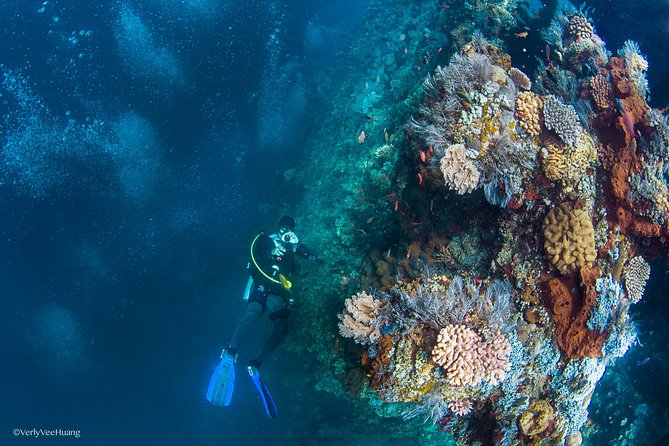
408	252
420	179
430	150
397	205
344	280
521	35
361	137
422	156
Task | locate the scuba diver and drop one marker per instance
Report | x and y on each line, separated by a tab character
268	289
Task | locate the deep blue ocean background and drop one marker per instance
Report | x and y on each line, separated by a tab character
123	258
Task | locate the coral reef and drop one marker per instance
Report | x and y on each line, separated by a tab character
520	79
459	171
502	211
563	120
637	273
571	313
529	108
360	318
570	242
467	358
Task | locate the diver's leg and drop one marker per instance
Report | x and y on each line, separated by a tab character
278	314
253	310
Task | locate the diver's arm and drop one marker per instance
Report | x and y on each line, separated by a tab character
304	252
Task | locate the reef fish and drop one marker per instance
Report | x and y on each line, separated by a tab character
627	120
361	137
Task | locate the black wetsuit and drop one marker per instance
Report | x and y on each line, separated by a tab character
265	263
267	290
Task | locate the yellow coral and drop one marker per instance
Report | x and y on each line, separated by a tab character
412	371
568	165
570	238
528	110
537	418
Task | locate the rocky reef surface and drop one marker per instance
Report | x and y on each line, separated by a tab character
486	230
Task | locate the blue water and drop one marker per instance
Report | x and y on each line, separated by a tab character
144	144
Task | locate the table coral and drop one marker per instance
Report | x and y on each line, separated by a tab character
569	237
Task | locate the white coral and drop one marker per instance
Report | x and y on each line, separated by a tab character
460	172
637	273
359	317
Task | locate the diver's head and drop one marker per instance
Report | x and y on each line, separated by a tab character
287	223
286	228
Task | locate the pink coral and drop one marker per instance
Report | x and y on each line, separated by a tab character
467	358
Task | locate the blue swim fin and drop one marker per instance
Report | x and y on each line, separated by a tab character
222	382
265	396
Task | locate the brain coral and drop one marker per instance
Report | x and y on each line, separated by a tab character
568	165
569	238
528	110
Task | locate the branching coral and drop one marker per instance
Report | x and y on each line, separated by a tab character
636	65
601	92
459	171
648	191
359	319
609	292
569	238
637	273
467	358
563	120
460	406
